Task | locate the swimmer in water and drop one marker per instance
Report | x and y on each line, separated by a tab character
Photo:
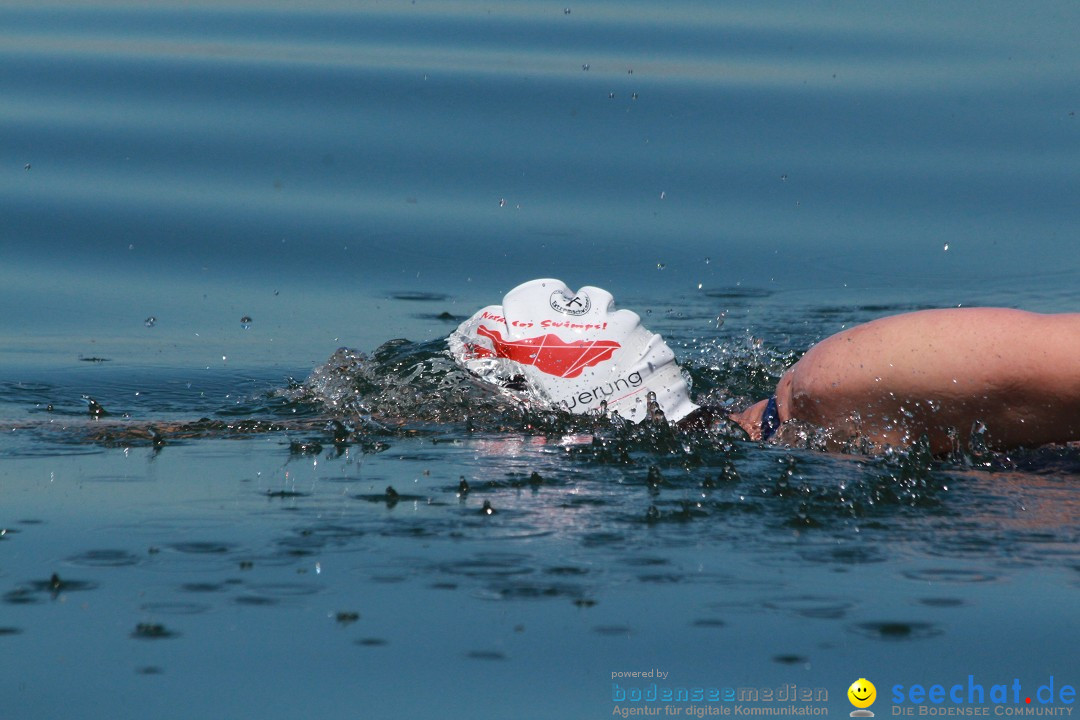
936	373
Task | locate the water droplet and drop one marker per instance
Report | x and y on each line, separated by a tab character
94	407
654	478
245	322
149	322
152	631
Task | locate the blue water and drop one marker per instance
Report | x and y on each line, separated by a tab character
750	178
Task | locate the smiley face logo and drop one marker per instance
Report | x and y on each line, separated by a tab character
862	693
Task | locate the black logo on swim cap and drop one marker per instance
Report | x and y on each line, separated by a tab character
570	304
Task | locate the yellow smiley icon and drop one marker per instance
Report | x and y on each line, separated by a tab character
862	693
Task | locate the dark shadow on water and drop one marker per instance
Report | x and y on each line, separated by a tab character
809	606
419	296
737	293
203	548
153	631
105	558
895	631
443	317
942	602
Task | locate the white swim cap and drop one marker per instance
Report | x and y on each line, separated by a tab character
574	351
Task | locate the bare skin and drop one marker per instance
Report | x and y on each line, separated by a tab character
939	373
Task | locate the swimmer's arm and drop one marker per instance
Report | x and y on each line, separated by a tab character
939	371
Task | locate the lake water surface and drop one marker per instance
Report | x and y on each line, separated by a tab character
201	201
